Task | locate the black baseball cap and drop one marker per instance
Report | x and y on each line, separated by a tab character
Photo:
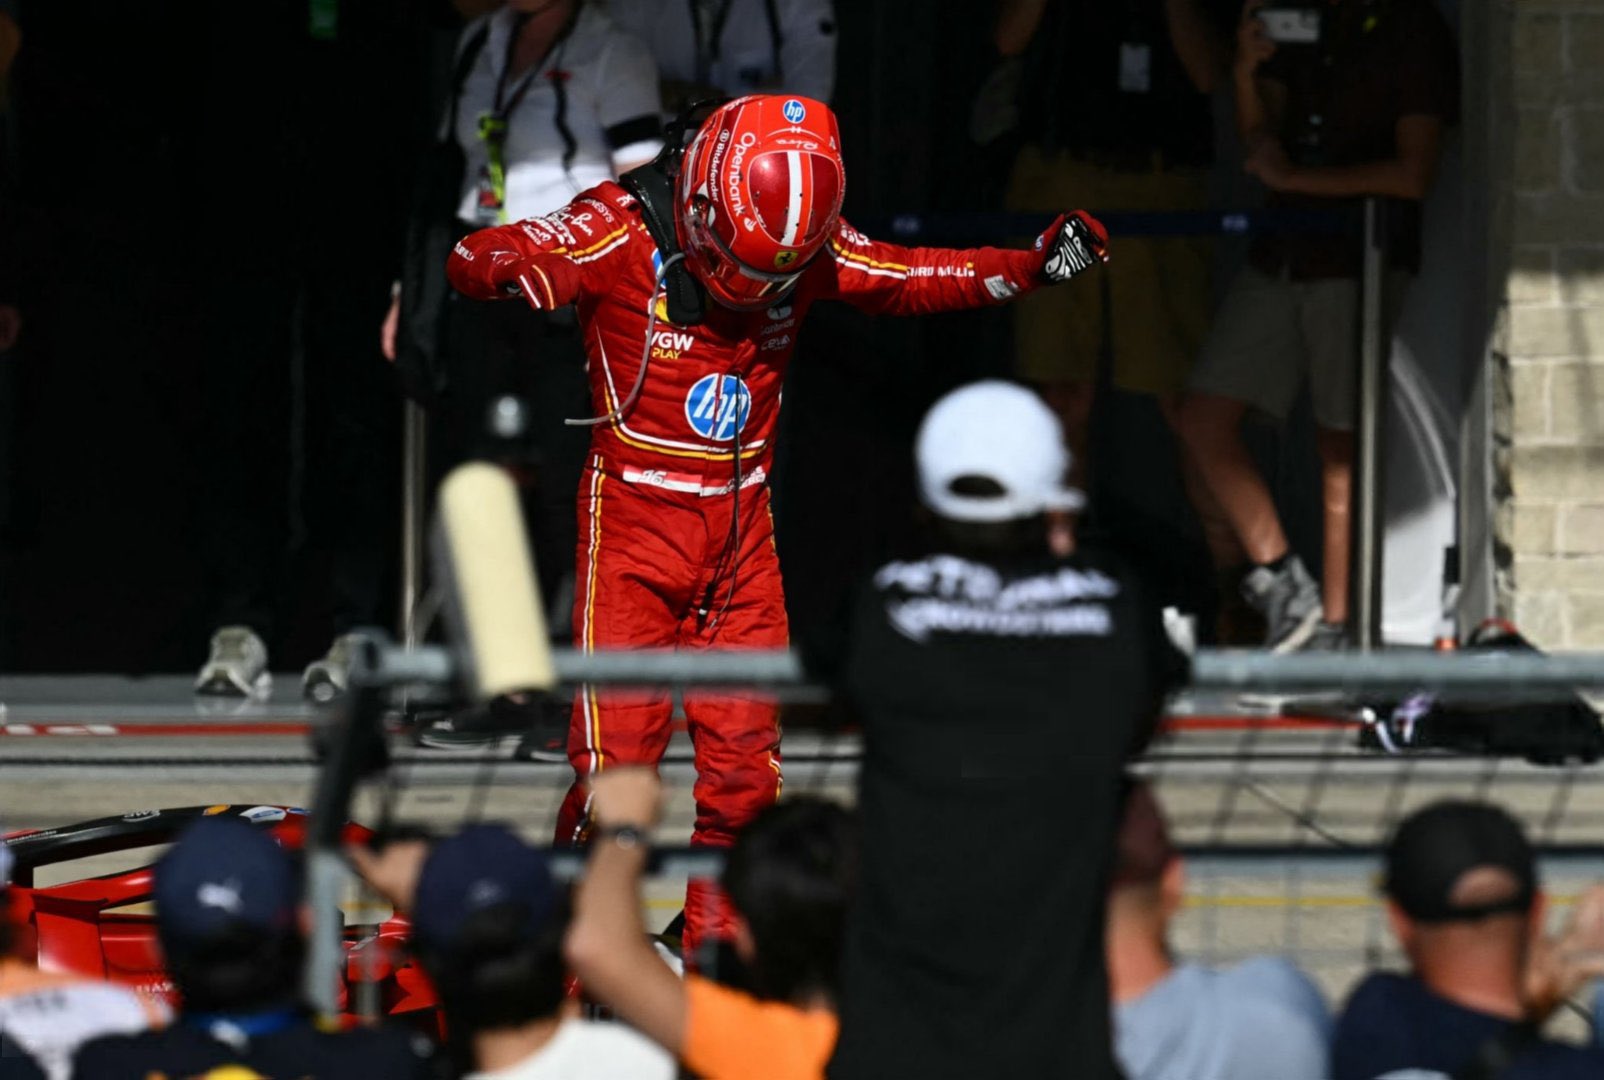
481	867
1437	846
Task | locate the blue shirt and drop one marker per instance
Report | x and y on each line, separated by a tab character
1260	1020
1395	1027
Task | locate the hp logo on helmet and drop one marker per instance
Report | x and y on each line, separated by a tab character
717	407
795	112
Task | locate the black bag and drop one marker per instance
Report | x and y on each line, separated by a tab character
1543	732
433	229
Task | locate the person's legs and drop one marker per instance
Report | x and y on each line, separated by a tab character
1329	312
1160	304
246	381
1219	535
1162	308
1210	427
557	392
242	526
352	445
1253	358
736	733
1336	489
628	596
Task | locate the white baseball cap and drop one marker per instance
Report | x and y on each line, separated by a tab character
998	431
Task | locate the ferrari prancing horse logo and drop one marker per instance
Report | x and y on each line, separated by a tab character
784	259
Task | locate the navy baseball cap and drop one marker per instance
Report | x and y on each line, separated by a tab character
481	867
224	873
1437	846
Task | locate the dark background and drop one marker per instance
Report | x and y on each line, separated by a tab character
178	162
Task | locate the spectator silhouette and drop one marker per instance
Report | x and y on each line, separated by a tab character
298	419
1359	112
789	878
1465	904
488	923
16	1065
727	48
1176	1020
1114	112
1002	689
229	921
45	1017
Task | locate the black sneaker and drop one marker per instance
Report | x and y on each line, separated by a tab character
1289	601
456	732
544	719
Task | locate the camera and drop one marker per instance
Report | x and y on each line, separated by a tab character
1291	25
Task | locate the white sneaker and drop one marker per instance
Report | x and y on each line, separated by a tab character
237	666
328	678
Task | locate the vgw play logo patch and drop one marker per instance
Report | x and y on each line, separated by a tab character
717	407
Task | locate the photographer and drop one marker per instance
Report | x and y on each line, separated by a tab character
1350	102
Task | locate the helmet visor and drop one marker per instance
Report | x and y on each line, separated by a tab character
731	281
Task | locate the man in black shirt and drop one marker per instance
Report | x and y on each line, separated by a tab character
1464	902
1360	111
227	915
1002	691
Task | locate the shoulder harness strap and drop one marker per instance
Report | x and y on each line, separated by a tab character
652	184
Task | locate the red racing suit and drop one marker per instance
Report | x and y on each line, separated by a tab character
676	543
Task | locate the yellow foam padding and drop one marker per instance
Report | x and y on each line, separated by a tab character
492	581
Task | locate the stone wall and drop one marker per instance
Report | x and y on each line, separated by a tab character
1548	341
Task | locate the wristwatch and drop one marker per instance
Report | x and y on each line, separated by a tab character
628	837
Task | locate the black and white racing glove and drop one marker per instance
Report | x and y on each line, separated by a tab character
1073	244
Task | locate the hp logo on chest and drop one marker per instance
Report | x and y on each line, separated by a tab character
717	407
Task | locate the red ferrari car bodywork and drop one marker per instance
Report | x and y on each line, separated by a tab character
104	926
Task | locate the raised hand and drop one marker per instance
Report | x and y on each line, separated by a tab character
1072	245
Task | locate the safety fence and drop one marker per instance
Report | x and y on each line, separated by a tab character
1279	805
1276	813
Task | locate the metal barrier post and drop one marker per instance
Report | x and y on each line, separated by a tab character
414	483
1364	586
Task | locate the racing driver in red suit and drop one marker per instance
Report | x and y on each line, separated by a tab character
676	543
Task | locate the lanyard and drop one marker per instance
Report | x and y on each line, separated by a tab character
493	124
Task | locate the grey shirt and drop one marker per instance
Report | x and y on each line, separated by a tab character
1260	1020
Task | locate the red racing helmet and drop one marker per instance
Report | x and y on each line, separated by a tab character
759	194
